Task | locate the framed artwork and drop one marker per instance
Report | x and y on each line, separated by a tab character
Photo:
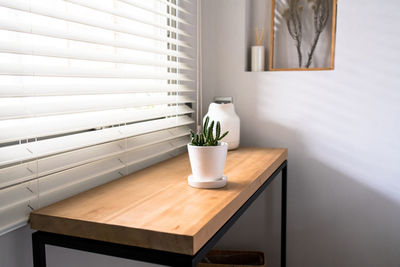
302	35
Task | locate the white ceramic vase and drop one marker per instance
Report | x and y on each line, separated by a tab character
257	58
226	115
208	162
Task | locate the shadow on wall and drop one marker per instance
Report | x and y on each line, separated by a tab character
341	127
328	211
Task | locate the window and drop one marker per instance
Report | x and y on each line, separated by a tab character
89	91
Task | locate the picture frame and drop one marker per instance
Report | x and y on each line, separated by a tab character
302	35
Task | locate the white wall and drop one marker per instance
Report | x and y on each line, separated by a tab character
342	129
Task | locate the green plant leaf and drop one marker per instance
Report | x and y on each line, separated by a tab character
222	136
210	135
218	131
201	143
206	125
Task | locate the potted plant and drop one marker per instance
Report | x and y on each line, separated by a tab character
207	153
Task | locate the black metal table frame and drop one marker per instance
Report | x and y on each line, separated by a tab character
40	239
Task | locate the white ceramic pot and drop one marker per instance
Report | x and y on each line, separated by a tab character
257	58
226	115
208	162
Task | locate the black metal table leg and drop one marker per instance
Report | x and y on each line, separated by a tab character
38	250
283	216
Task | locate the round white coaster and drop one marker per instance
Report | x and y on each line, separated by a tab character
207	184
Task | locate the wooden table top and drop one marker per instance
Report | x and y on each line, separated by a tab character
156	208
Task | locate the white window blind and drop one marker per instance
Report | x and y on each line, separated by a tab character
89	91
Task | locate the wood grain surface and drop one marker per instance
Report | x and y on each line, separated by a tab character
155	208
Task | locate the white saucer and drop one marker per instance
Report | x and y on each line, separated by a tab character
221	182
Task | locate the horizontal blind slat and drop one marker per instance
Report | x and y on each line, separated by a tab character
28	86
140	4
61	49
54	9
29	151
13	64
175	6
85	34
36	127
48	165
124	13
16	202
22	107
129	148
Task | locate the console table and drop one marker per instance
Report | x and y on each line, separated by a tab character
154	216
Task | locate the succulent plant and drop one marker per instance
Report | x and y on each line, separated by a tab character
206	137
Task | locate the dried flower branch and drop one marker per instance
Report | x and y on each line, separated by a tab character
293	21
321	15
